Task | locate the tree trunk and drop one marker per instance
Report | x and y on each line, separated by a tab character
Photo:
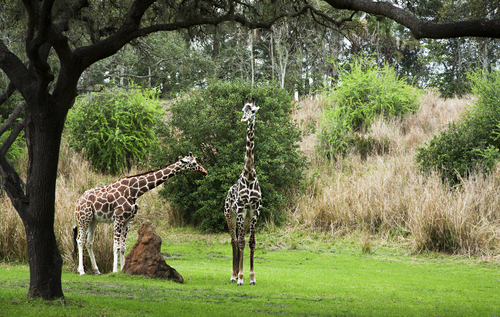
43	138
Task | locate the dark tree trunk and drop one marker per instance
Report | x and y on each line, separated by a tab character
43	138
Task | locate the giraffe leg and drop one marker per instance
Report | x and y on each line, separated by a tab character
118	228
234	245
251	244
241	246
123	244
231	224
90	244
81	240
83	222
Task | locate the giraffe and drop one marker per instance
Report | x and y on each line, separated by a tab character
116	203
243	200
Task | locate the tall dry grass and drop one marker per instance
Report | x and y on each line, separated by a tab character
386	196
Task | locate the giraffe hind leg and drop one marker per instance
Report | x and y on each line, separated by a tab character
231	224
240	222
123	244
90	246
83	221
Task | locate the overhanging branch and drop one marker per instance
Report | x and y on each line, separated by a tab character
420	28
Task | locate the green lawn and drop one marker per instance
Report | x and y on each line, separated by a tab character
311	278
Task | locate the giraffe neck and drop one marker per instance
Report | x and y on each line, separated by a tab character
155	178
249	168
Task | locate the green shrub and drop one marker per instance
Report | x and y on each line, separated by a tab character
473	142
207	122
115	128
365	92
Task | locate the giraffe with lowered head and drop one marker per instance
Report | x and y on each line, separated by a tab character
116	203
243	200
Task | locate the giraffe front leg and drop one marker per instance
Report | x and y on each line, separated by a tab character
241	246
123	245
251	244
118	228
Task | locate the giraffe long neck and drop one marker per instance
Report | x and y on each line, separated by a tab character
155	178
249	169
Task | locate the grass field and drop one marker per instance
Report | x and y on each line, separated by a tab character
296	275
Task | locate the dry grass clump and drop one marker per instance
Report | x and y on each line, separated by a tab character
384	194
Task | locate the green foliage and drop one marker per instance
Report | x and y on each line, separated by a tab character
473	142
365	93
115	128
207	122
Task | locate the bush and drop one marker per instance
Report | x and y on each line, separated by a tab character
115	128
207	122
365	93
473	142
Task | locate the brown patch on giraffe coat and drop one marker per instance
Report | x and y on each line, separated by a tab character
121	200
143	182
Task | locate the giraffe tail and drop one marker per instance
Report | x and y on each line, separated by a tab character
75	250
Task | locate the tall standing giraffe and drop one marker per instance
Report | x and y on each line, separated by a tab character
242	204
116	203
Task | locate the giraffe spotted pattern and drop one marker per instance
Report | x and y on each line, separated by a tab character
116	203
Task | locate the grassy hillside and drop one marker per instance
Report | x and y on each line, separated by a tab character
377	200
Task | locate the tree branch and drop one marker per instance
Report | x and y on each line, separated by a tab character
13	184
12	117
421	28
15	69
12	137
8	92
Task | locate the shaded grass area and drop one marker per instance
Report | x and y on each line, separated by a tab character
310	278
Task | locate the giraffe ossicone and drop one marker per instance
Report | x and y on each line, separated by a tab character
243	200
116	203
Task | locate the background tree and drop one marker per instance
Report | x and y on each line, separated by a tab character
208	123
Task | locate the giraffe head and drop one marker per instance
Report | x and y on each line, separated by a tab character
191	163
249	110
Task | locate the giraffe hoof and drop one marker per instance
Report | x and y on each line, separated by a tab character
240	284
232	280
253	283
